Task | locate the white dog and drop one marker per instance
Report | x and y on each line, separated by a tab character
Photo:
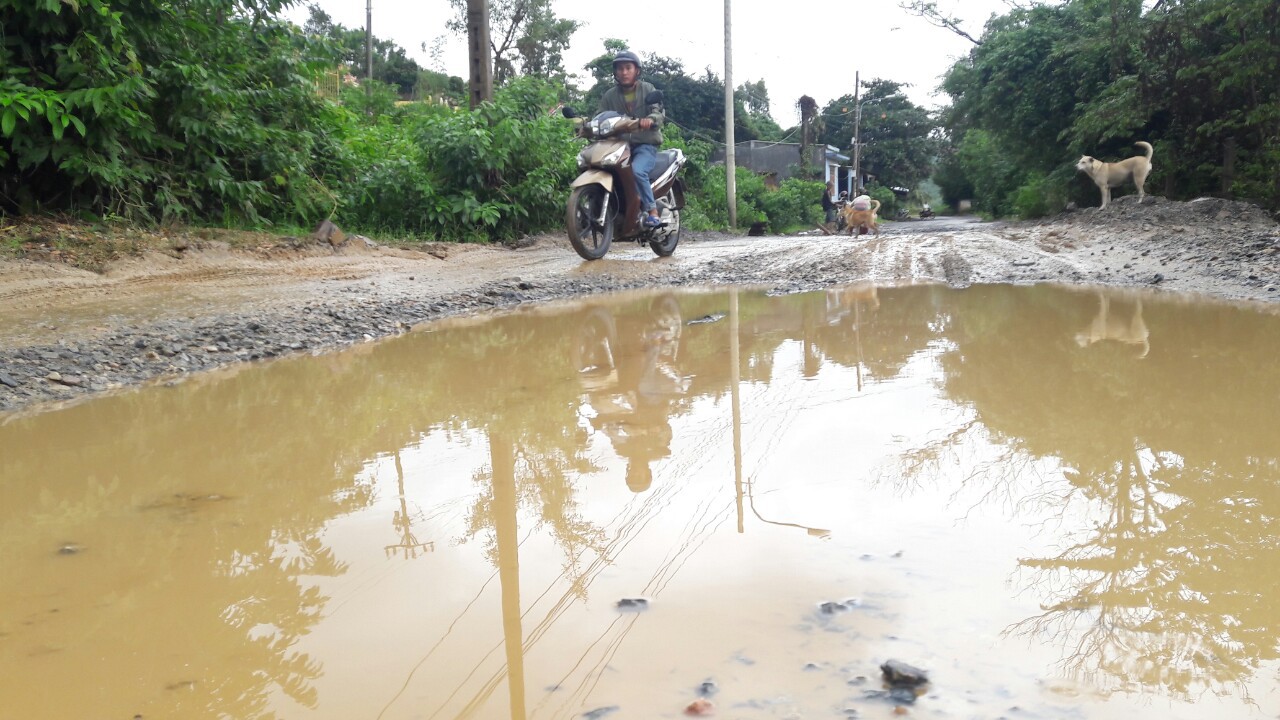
1108	175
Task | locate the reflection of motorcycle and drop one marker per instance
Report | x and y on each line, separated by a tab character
630	384
605	201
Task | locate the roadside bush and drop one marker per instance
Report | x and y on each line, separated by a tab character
888	200
696	171
794	204
1041	195
498	172
189	109
714	203
994	176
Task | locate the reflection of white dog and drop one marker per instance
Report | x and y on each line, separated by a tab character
1106	326
1108	175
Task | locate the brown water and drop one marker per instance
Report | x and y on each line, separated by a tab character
1060	503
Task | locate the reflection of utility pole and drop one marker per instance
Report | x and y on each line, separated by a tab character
502	457
737	407
857	337
480	54
408	542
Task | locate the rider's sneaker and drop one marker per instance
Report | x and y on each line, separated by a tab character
651	221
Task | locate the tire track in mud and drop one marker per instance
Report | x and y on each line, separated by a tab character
159	318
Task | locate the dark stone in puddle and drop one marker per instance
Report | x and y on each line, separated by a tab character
600	712
709	318
900	674
70	549
896	695
7	380
708	688
633	604
810	667
832	607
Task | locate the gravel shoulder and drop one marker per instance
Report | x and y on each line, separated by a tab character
67	333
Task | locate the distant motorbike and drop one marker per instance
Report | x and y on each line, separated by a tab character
926	213
605	203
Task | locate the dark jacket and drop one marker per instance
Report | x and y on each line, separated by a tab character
613	100
826	201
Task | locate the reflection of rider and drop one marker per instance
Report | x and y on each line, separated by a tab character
633	411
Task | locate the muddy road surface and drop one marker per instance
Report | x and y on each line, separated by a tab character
66	333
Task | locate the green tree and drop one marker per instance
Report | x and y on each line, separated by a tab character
694	103
898	139
390	63
163	109
1042	77
526	31
1209	84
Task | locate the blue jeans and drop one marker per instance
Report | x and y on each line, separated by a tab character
643	158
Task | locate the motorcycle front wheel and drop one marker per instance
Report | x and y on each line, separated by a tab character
589	237
664	245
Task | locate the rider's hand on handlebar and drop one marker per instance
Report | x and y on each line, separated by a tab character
646	123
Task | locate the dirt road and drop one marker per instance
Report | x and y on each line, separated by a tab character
67	333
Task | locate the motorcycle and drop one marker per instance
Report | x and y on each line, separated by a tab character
605	203
926	213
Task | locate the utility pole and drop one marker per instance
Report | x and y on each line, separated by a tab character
368	47
478	46
730	160
857	143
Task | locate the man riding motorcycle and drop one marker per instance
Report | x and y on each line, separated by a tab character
627	98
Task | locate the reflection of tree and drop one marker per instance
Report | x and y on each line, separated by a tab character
1176	447
262	480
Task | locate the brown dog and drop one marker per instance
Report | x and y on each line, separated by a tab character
862	220
1108	175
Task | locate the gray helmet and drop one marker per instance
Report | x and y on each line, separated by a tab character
627	56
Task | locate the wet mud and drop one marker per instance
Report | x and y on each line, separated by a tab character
67	334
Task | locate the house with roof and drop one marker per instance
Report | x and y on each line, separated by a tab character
778	161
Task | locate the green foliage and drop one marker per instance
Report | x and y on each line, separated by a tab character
694	103
992	175
181	109
897	136
438	87
498	172
526	31
1047	83
1041	195
373	99
793	204
889	202
713	200
391	65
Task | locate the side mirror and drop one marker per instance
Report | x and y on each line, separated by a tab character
654	98
568	112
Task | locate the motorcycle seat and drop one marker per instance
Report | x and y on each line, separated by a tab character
665	158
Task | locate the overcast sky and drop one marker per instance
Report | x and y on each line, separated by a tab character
798	47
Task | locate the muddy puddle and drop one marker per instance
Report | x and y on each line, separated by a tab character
1059	503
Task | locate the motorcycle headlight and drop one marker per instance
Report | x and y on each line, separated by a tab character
605	127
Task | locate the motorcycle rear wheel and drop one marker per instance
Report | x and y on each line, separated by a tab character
664	245
590	240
